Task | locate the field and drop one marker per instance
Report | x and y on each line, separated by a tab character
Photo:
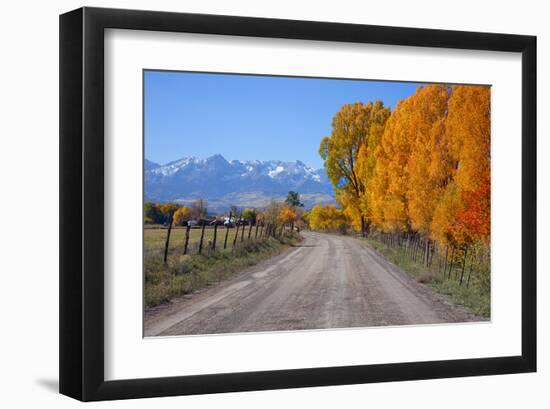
183	274
155	238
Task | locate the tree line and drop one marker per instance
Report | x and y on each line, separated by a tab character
422	170
276	218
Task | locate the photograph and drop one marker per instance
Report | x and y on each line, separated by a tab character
314	202
278	203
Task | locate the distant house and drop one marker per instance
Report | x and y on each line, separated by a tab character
229	221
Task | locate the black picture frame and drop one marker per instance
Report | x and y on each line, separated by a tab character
82	203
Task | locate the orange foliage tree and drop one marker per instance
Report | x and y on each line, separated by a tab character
423	168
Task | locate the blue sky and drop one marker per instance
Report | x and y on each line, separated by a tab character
249	117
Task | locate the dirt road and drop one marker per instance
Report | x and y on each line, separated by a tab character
326	281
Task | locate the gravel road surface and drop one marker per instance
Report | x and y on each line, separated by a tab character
326	281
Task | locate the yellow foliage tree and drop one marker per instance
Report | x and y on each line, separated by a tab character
287	215
326	217
354	127
168	209
423	168
181	214
468	133
390	178
426	177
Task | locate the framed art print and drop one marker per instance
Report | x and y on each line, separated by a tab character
256	203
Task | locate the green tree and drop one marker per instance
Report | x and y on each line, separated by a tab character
250	215
152	214
293	199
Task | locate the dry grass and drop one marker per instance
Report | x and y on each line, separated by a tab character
476	298
187	273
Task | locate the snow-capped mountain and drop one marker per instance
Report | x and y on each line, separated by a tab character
240	183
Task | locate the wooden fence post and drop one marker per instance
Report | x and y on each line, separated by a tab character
426	252
215	234
256	233
445	264
463	265
186	239
470	272
452	260
226	234
242	232
168	238
202	237
236	235
249	231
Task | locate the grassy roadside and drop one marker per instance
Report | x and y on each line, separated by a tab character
476	299
184	274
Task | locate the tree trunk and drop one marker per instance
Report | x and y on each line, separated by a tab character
445	265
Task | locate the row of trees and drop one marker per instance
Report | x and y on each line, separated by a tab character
423	169
272	221
163	213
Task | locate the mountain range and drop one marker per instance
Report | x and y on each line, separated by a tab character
241	183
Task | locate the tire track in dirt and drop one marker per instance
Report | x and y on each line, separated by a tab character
327	281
